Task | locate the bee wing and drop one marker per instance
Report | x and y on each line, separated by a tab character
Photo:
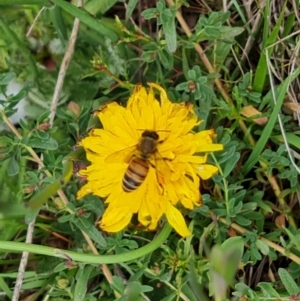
162	163
122	156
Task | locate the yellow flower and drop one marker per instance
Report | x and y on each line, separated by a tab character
175	167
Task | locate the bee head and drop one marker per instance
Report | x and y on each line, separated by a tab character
150	134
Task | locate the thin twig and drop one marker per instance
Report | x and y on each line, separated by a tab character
64	67
274	99
23	264
250	39
34	21
140	42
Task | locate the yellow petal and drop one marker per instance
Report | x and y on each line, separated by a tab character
163	94
177	221
210	148
115	220
206	171
84	190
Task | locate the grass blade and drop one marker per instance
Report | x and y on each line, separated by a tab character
254	157
87	19
261	71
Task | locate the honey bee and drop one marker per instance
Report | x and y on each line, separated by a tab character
139	162
138	167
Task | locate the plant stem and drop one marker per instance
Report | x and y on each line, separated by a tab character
14	247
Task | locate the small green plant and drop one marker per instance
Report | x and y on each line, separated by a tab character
231	178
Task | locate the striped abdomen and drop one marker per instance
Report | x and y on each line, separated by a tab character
135	174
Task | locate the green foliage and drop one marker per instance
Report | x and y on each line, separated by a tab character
197	84
248	221
165	17
224	263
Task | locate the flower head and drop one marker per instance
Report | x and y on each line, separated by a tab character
150	178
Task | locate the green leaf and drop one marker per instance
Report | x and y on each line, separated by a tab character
220	54
6	78
42	196
24	125
185	63
294	238
21	94
165	59
262	67
59	24
87	19
49	144
226	154
224	263
130	8
268	291
243	221
239	196
263	205
5	288
82	278
134	289
229	33
65	218
292	139
212	32
95	6
13	167
36	284
117	284
170	297
4	141
149	13
288	282
88	227
148	56
253	215
231	164
262	246
31	215
169	28
234	245
224	33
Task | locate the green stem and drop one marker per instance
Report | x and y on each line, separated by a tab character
21	175
22	2
15	247
225	183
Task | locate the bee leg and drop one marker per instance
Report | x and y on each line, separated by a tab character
162	189
160	181
152	165
159	177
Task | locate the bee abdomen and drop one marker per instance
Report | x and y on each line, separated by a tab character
135	174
